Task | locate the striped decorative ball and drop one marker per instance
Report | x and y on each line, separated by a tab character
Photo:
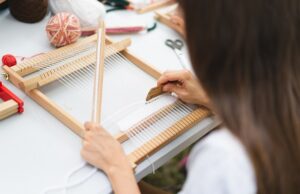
63	29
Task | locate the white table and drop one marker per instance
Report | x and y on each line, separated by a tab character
37	150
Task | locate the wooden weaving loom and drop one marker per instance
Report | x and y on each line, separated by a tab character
160	126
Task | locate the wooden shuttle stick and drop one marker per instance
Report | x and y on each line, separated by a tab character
98	79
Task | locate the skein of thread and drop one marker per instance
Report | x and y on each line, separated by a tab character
28	11
63	29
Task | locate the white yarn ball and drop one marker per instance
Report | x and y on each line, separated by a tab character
89	12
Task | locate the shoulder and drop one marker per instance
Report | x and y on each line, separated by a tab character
219	164
220	144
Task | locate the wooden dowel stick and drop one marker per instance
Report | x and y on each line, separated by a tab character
98	80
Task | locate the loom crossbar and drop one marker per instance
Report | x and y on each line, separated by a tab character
168	135
69	68
33	64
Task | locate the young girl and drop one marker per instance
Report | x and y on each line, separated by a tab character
246	56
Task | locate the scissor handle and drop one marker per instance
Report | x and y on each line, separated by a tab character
179	44
174	44
170	43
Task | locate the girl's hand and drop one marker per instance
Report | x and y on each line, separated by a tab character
177	19
185	86
101	150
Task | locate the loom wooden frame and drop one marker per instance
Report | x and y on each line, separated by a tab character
136	156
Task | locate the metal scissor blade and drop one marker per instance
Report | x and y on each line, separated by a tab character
181	58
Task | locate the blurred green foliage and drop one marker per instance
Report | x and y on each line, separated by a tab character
171	176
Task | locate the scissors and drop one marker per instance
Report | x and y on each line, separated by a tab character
177	45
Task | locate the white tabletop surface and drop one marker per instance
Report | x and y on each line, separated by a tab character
37	151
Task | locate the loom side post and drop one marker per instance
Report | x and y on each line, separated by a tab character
147	68
142	65
57	111
46	103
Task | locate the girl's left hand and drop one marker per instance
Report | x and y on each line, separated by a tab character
101	150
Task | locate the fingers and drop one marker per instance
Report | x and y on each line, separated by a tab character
90	126
173	88
93	130
177	20
171	76
91	157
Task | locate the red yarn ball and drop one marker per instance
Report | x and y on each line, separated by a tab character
63	29
9	60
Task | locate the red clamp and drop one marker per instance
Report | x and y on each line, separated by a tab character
6	94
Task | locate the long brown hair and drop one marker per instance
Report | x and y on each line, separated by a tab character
246	54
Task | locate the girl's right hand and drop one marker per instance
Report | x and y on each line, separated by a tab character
185	86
